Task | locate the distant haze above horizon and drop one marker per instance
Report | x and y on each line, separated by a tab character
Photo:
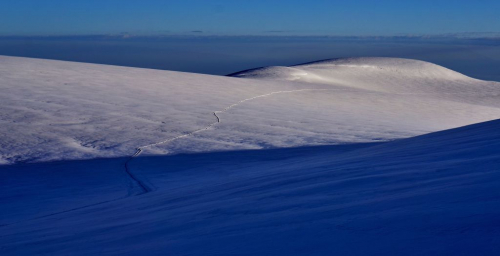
220	37
229	17
222	55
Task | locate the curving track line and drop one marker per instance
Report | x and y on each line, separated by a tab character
139	150
140	184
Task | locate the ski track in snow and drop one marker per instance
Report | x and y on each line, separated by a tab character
137	183
140	184
139	150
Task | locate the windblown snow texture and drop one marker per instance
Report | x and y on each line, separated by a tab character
321	158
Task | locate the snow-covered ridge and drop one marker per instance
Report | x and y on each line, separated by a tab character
65	110
397	66
380	74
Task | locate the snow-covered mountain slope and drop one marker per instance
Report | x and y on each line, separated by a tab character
54	110
435	194
334	161
365	70
392	75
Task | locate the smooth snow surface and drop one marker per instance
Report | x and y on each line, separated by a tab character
67	111
324	158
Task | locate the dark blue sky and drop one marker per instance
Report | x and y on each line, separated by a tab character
248	17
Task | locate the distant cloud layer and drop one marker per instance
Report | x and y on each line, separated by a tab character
281	33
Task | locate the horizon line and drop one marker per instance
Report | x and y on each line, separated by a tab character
201	34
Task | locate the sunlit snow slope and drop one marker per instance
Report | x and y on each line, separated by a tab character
54	110
105	160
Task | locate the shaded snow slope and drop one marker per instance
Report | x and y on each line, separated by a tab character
336	167
435	194
55	110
